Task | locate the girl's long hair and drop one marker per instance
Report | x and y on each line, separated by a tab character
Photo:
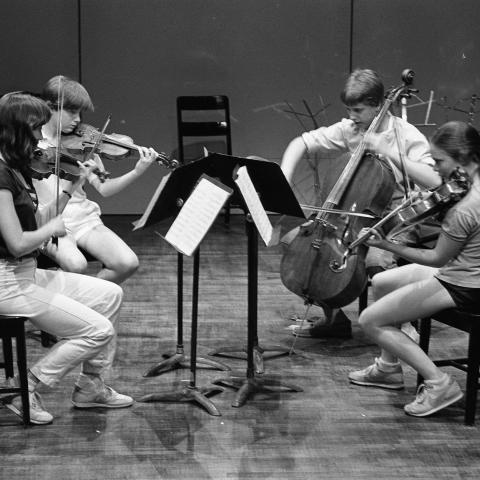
20	114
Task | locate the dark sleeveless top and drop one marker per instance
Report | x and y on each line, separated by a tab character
25	203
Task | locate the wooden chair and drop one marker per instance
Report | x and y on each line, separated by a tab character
10	328
199	117
469	323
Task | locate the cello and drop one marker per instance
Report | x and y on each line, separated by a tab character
318	264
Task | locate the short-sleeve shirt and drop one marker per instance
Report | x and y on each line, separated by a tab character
344	136
462	224
22	200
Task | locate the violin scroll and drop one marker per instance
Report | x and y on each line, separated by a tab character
407	76
166	161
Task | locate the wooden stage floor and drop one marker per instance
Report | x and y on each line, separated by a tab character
330	430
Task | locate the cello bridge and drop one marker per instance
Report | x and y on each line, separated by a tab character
329	226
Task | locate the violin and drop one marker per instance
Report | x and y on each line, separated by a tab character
431	204
111	146
43	165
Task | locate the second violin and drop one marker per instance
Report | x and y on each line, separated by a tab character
111	146
43	165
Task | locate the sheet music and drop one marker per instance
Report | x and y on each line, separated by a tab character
140	223
269	234
197	215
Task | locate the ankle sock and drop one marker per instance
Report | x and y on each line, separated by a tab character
387	366
438	381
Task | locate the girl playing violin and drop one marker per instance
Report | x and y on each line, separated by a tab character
446	276
82	219
81	310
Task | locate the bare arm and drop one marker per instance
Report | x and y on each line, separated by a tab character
292	156
48	211
111	186
444	250
421	173
17	241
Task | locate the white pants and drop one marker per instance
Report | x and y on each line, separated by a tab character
80	310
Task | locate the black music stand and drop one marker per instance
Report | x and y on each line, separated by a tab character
178	186
167	202
276	196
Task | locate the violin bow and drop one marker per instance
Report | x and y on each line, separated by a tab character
60	101
98	140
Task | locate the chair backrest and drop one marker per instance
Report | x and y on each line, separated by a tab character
202	116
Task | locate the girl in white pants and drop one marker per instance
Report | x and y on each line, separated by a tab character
80	310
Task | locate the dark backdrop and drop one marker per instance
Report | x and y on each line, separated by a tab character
136	56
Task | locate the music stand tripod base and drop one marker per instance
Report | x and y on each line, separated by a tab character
176	360
188	394
251	384
258	351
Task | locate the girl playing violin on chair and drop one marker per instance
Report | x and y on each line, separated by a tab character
79	309
447	276
82	219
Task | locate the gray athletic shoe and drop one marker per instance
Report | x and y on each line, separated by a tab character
431	398
372	376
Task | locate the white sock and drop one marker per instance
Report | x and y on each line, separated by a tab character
439	381
387	366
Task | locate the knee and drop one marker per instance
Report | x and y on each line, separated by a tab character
379	286
127	266
103	333
74	265
366	321
115	293
362	320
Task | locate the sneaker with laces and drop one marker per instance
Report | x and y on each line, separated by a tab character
431	397
99	396
38	414
373	376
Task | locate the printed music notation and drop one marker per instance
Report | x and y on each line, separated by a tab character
270	235
197	215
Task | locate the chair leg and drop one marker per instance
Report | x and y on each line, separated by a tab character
363	300
472	376
425	328
22	374
8	356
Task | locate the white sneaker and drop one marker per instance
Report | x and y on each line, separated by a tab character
38	414
431	397
97	394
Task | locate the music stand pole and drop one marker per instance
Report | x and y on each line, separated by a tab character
258	350
191	393
178	359
250	384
